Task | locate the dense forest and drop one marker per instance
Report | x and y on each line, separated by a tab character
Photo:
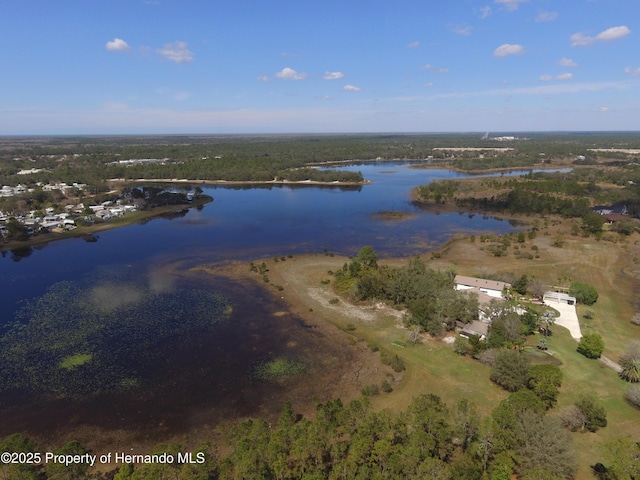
92	161
428	295
428	439
568	194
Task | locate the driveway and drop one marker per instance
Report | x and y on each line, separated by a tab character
568	317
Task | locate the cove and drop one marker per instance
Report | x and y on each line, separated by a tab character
248	222
203	376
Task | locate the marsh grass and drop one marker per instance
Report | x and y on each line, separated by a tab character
279	368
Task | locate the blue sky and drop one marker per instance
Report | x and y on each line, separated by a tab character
240	66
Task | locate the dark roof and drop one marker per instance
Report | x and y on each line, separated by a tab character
474	328
615	217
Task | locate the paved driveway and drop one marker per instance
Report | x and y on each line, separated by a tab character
568	317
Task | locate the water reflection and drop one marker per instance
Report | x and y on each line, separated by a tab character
250	221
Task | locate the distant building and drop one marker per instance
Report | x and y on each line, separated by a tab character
617	208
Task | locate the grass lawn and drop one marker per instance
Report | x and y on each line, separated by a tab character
583	376
433	366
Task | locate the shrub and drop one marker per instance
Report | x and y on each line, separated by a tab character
572	417
510	370
461	345
488	356
370	390
596	416
591	345
633	395
584	293
386	387
545	381
394	362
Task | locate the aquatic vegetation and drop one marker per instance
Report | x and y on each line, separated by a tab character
74	361
102	335
279	368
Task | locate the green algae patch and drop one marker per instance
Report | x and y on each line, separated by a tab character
75	361
279	368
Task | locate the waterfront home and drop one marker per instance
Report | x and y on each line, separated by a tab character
492	288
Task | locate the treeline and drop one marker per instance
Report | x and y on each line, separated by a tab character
428	439
428	295
503	160
84	159
524	201
565	194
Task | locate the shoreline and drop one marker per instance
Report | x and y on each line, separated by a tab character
78	232
236	182
485	171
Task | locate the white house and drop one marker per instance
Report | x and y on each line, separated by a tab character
492	288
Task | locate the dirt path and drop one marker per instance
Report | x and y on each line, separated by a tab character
610	363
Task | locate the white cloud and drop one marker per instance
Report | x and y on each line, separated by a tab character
263	78
351	88
604	109
508	49
511	5
485	12
609	35
333	75
433	69
546	17
177	52
415	44
117	45
634	72
290	74
581	40
567	62
428	84
613	33
462	30
565	76
545	78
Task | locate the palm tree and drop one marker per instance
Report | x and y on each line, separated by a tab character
630	363
630	369
545	321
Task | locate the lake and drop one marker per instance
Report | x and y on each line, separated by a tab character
245	223
84	300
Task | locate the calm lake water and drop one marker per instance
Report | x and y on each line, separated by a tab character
207	376
252	222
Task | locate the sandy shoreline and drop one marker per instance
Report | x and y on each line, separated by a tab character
234	182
